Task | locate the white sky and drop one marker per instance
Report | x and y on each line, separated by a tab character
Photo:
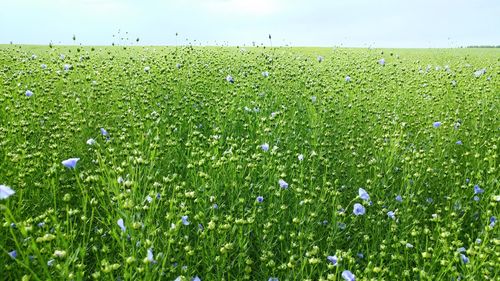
361	23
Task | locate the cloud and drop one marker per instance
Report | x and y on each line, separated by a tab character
243	7
77	7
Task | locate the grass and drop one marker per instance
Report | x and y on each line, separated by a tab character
183	141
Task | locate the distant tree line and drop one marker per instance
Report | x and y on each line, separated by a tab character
484	46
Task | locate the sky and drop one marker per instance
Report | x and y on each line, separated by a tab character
348	23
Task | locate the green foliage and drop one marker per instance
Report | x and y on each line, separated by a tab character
183	141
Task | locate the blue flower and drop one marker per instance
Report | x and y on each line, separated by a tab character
5	191
381	61
464	258
265	147
265	74
461	250
229	79
359	209
341	225
43	66
67	67
28	93
70	163
399	198
150	255
459	142
104	132
478	190
476	198
215	206
348	276
121	224
283	184
391	215
363	194
13	254
493	221
260	199
196	278
333	259
467	181
347	78
436	124
185	220
479	72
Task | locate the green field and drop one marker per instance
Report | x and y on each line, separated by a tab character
251	180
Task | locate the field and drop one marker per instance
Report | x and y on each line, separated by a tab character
249	163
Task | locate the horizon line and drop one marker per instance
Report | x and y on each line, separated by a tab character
486	46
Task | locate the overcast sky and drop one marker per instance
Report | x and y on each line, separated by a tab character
356	23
